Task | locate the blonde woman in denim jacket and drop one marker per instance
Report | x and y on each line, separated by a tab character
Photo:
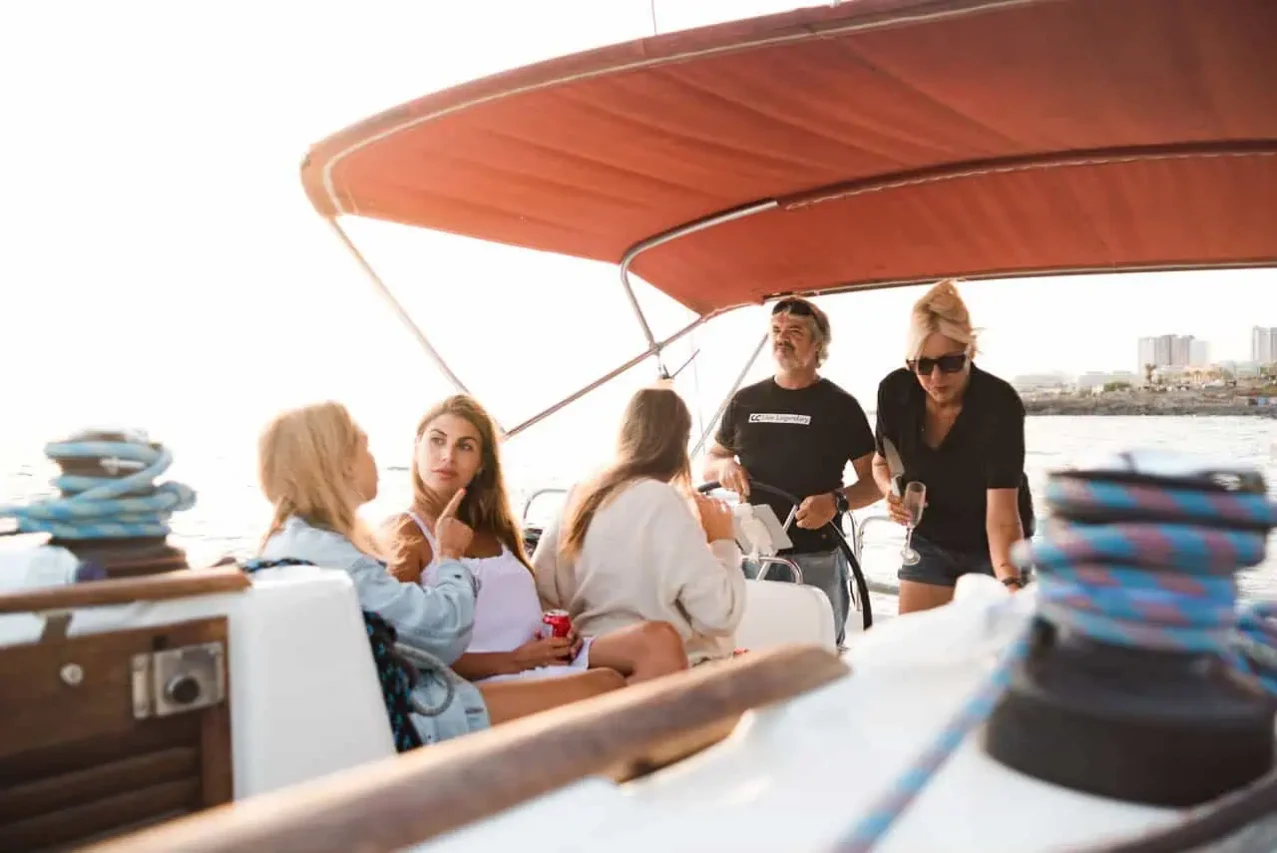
316	470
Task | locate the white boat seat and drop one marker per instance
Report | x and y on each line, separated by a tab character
778	614
305	699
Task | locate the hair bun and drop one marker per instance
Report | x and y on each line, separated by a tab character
941	309
944	301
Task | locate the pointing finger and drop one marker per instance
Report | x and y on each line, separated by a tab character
451	509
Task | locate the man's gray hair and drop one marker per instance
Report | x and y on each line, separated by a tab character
816	321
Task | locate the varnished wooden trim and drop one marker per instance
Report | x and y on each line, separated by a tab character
75	764
50	794
45	831
42	711
391	804
217	778
89	749
159	587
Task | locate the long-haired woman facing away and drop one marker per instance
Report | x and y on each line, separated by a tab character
457	449
316	471
634	544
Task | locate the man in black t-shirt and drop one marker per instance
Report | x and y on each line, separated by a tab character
797	431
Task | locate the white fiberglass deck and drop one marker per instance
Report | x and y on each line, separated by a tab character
795	776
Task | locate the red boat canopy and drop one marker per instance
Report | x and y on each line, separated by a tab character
880	142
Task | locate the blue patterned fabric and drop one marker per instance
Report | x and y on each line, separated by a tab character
397	677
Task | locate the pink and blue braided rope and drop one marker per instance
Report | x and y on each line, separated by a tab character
1162	576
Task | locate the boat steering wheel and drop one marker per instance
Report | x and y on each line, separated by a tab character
859	587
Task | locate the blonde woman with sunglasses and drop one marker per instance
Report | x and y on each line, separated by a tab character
959	432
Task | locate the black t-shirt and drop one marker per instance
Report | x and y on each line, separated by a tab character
983	450
796	440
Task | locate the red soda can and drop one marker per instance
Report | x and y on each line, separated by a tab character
555	623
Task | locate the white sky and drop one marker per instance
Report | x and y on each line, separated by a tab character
160	265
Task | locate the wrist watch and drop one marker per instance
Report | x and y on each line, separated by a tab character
1014	580
840	501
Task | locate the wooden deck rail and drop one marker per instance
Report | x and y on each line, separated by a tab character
158	587
392	804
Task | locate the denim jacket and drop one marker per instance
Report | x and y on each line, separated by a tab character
437	620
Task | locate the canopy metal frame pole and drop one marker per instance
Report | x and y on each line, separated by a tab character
398	308
727	398
859	187
632	253
654	346
654	349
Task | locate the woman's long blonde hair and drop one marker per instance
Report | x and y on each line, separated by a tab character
653	442
304	467
942	310
486	506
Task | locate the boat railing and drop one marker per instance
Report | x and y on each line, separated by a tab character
766	564
854	530
531	499
861	530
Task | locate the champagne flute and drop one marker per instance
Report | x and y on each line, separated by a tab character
913	500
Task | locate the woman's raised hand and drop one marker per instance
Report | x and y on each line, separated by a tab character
733	477
716	518
452	534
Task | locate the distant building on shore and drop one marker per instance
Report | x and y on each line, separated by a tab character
1199	353
1173	351
1095	379
1042	382
1240	368
1263	344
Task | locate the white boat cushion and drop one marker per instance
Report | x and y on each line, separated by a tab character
777	613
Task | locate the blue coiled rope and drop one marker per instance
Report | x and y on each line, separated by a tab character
1163	578
103	507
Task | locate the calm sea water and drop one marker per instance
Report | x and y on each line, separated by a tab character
231	514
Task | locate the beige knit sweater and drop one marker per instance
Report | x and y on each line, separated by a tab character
645	558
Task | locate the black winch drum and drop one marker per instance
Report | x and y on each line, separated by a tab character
1167	729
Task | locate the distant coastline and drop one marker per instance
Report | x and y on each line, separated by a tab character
1146	403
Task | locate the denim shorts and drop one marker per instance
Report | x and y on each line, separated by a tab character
466	713
942	566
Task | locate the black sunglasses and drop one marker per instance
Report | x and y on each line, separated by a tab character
951	363
799	308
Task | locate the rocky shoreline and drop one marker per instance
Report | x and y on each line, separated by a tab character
1146	404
